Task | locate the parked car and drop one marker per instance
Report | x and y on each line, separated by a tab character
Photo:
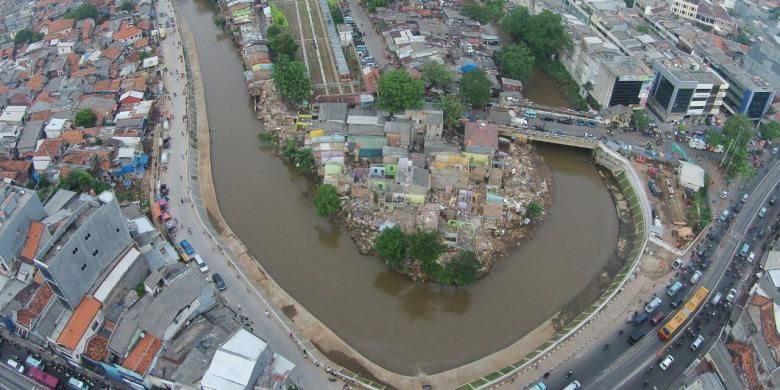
16	365
695	277
653	305
773	200
666	362
219	282
677	303
697	343
745	197
731	295
677	263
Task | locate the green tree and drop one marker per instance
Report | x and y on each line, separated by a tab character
475	88
372	5
775	15
714	137
81	181
770	130
85	118
290	80
488	11
274	30
453	109
267	137
283	45
462	270
534	210
544	33
127	6
436	74
327	201
398	91
290	149
84	11
277	16
744	34
304	161
23	36
392	245
516	61
641	120
426	247
738	131
335	13
645	29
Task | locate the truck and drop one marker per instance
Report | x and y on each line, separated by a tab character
187	247
697	143
654	188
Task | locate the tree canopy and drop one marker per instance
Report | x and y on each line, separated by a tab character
436	74
770	130
486	12
398	91
737	133
452	107
426	247
327	201
475	88
372	5
534	210
85	118
462	270
127	6
283	44
81	181
544	33
641	120
392	245
291	80
23	36
516	61
84	11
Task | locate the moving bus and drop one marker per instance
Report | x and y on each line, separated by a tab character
679	318
43	378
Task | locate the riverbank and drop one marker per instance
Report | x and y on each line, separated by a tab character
282	244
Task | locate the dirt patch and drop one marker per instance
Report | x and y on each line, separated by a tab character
349	363
290	311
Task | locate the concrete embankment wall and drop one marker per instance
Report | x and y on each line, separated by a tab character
632	189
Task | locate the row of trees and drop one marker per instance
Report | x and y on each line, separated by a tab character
402	252
289	74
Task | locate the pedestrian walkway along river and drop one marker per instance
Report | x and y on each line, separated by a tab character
407	328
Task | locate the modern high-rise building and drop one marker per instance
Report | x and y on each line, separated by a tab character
679	93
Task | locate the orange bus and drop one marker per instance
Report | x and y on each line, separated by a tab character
679	318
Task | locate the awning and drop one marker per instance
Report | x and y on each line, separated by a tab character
162	202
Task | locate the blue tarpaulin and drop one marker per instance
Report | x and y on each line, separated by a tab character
468	68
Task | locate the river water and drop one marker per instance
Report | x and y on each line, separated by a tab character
542	89
405	327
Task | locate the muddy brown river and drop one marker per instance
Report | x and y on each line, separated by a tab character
405	327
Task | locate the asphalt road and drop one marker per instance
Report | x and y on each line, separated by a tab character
621	366
240	295
13	380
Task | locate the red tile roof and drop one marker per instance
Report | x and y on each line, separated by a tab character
19	169
111	53
36	82
109	85
126	33
141	43
478	135
140	358
73	137
60	25
79	322
33	241
51	147
38	303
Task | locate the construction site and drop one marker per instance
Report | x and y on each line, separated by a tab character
312	25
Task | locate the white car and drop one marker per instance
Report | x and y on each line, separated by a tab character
677	263
666	362
724	194
731	295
